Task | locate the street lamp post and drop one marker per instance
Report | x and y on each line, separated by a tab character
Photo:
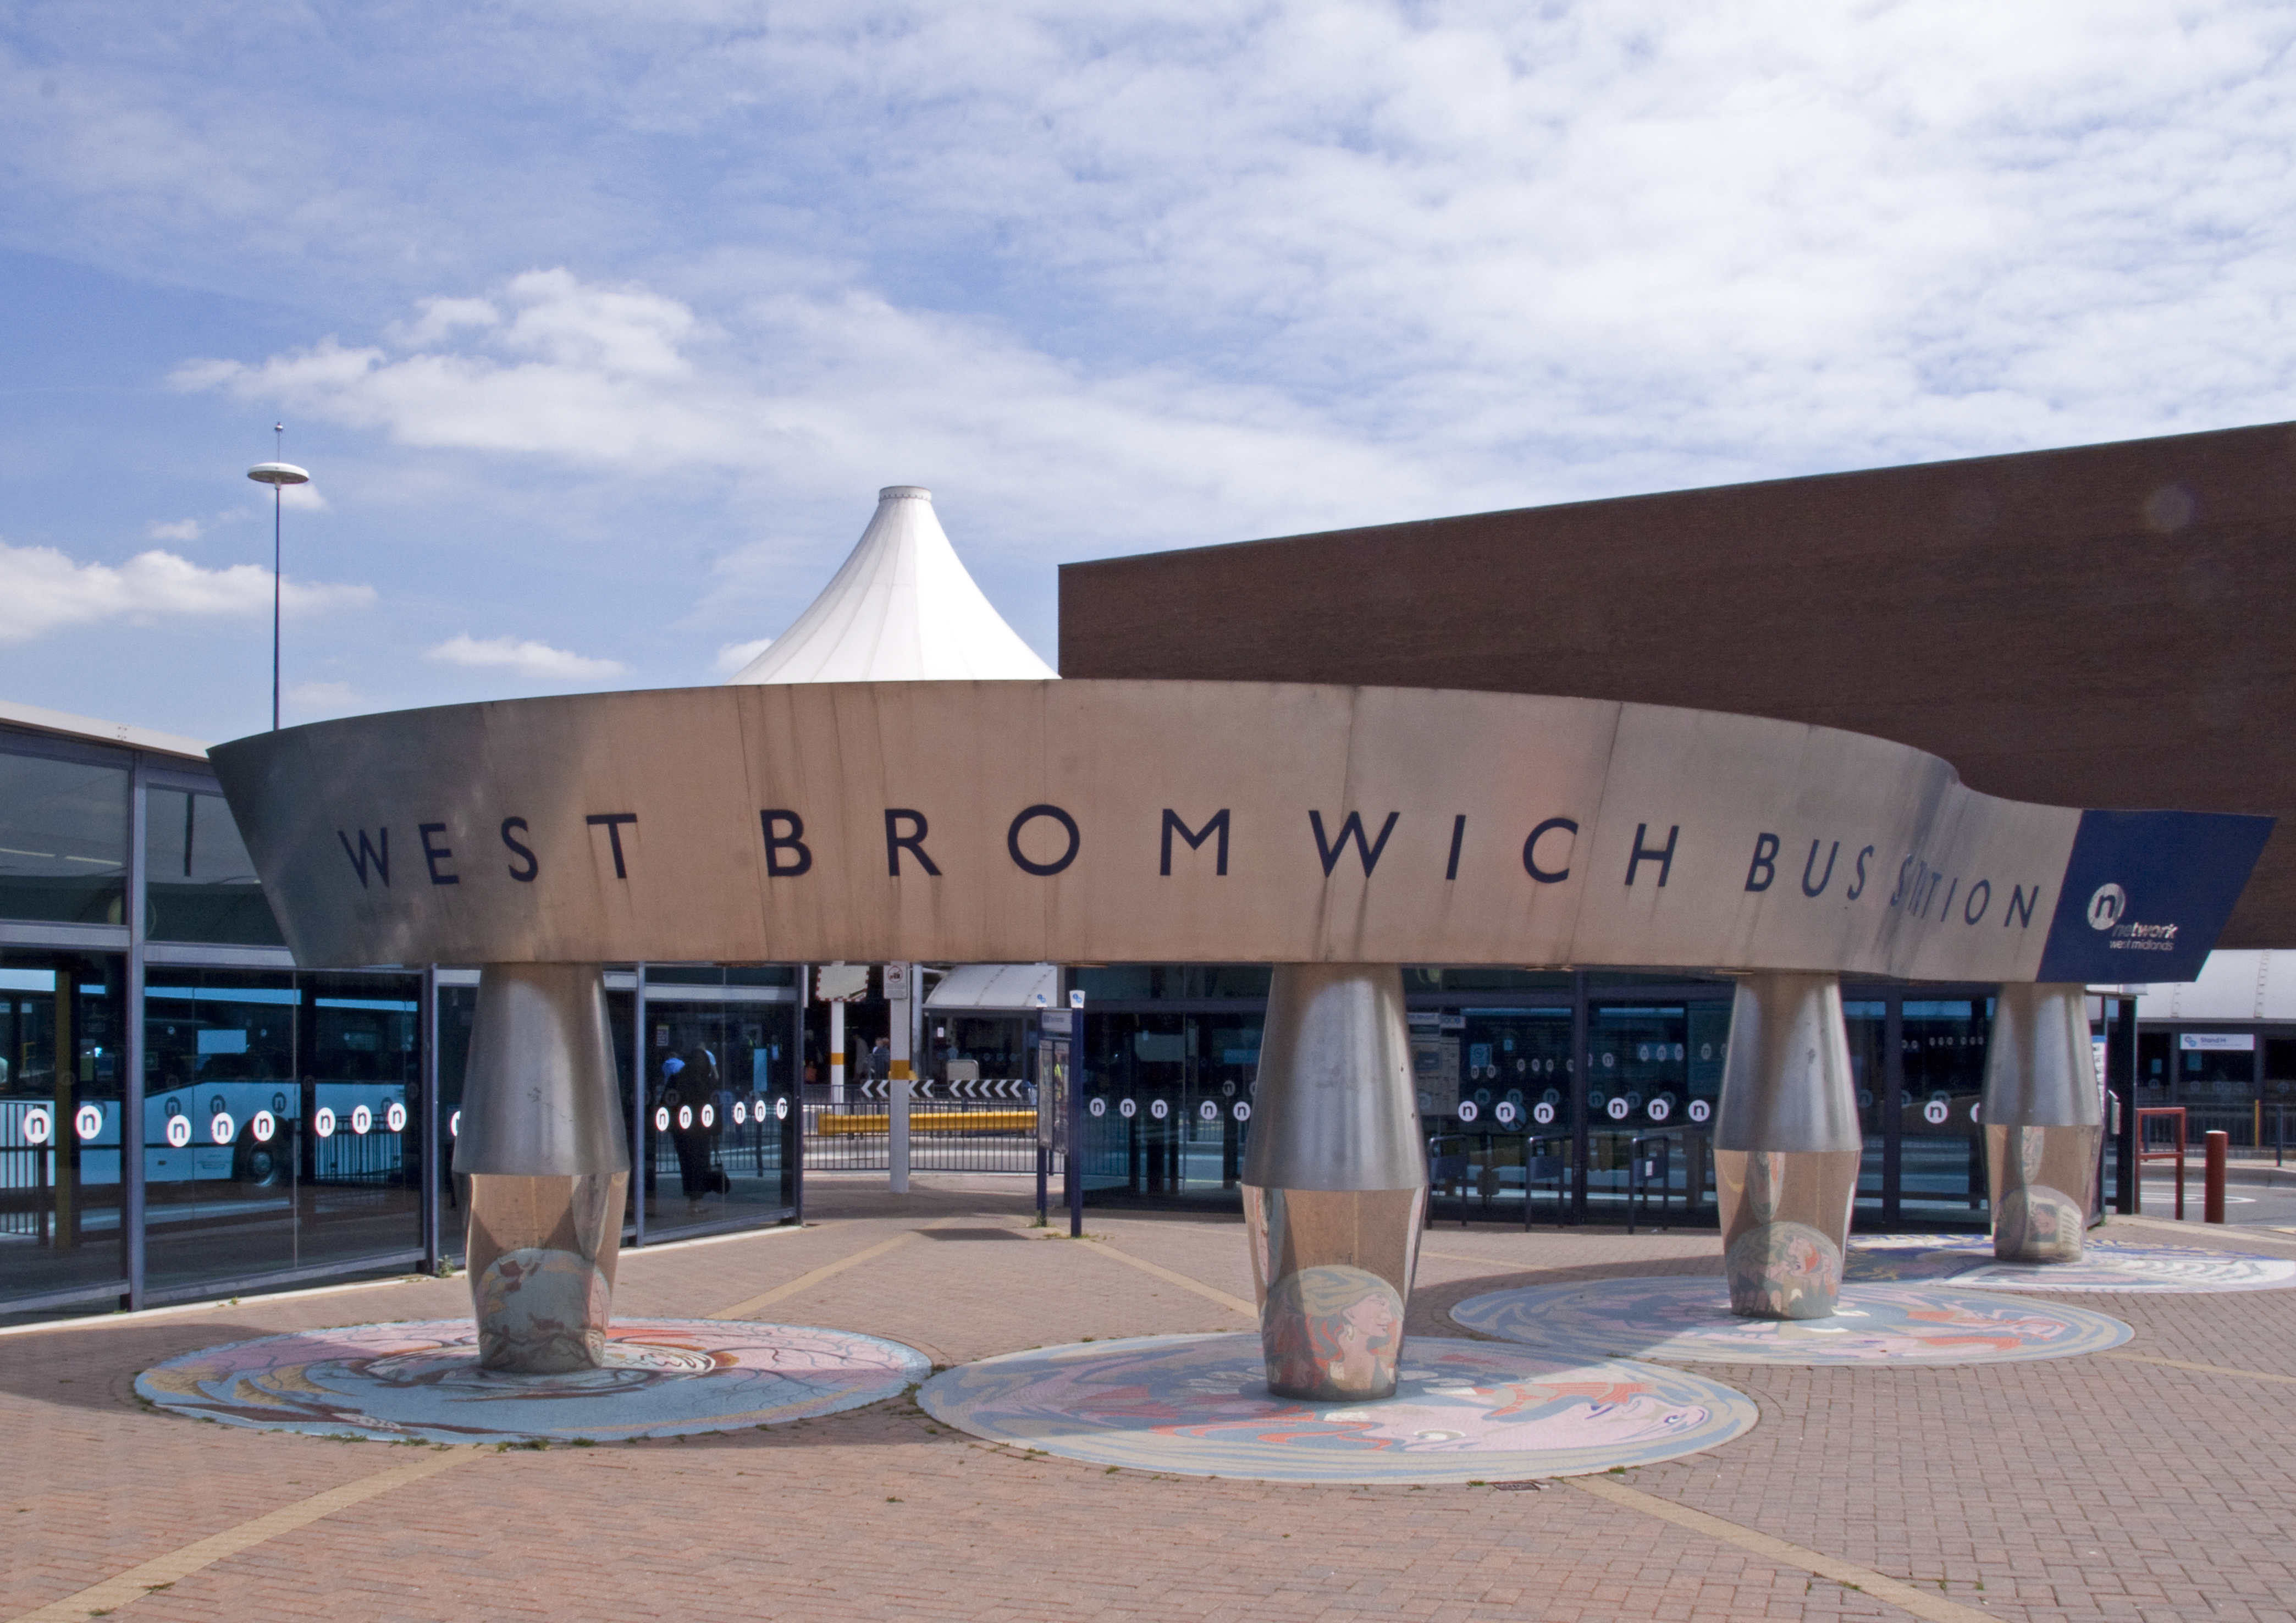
276	474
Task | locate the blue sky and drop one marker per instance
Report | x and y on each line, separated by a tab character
600	326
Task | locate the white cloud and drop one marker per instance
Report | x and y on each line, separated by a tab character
525	657
324	698
1131	275
734	656
45	590
178	529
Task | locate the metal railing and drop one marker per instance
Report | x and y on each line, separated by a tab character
2169	1146
945	1136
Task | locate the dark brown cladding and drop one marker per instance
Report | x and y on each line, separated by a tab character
2107	626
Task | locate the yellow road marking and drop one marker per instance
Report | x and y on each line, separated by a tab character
1233	1304
805	1282
2204	1369
158	1573
1897	1592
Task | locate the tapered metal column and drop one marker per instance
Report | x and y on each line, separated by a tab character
1787	1147
2043	1122
1334	1181
549	1162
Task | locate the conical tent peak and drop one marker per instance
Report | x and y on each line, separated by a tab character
902	608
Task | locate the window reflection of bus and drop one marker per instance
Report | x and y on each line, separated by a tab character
252	1132
226	1101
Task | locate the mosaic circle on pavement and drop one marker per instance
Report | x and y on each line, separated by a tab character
1463	1410
421	1381
2105	1266
1688	1318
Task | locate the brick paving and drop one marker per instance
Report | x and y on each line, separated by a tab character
2096	1488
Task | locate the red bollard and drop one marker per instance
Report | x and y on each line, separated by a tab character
2212	1190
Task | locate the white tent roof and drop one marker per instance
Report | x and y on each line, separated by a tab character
902	609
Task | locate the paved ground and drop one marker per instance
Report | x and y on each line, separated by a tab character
2150	1483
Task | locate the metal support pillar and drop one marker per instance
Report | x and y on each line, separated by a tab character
133	1157
900	996
1893	1112
1581	1040
1334	1181
1786	1146
2042	1121
641	1146
425	1128
549	1164
2120	1062
794	1129
1073	1083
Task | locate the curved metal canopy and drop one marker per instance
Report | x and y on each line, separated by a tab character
902	609
1195	822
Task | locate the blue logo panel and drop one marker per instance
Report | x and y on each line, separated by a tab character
2147	893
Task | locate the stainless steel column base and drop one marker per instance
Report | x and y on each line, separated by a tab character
2044	1122
2044	1181
548	1163
1334	1181
1785	1220
1331	1327
542	1254
1787	1147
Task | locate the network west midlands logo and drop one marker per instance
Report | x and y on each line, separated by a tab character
2108	904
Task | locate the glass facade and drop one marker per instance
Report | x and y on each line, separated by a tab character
282	1125
63	836
1522	1125
291	1125
63	1229
199	880
719	1135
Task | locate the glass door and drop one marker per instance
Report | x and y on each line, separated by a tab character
60	1115
1654	1073
721	1114
1941	1146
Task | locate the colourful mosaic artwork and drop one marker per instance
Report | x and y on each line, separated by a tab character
2109	1266
1688	1318
422	1383
1463	1410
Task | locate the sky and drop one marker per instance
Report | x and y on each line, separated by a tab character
600	326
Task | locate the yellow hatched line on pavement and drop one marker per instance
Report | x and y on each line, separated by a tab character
1895	1592
1233	1304
2199	1369
806	1281
160	1571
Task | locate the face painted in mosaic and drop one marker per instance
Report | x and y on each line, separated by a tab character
1332	1332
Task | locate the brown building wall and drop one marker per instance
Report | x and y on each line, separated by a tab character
2107	626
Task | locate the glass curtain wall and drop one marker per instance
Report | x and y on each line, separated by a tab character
1869	1019
1167	1100
282	1118
63	836
1942	1142
721	1115
1654	1072
199	882
62	1117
